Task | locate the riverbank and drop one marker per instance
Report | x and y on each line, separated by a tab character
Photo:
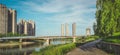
15	44
62	49
55	49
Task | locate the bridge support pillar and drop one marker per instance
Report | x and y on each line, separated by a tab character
25	53
20	47
20	40
74	39
48	41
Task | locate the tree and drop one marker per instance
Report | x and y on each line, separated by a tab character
107	17
11	35
95	28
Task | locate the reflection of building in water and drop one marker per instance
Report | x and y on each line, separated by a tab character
88	32
26	27
19	49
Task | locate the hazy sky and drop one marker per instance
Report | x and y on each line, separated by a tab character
50	14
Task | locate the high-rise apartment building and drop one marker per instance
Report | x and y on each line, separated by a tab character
88	32
62	29
20	27
12	23
26	27
66	30
74	29
7	20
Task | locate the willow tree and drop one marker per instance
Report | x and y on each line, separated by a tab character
107	17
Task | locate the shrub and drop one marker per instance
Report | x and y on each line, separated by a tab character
115	38
116	34
56	50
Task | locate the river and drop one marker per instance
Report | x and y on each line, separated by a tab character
27	49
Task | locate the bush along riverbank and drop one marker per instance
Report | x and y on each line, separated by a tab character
56	49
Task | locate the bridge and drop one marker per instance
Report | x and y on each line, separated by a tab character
47	38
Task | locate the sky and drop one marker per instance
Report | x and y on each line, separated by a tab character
50	14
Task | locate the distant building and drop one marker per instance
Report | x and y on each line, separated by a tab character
88	32
74	29
66	30
62	30
20	27
26	27
7	20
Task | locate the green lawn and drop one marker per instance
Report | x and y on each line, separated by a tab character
91	38
115	38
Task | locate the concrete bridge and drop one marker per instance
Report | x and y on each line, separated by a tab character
47	38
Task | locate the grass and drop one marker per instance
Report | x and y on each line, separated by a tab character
91	38
116	34
115	38
56	49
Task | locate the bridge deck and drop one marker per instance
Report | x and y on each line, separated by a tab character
33	37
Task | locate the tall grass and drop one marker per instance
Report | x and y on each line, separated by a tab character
56	50
115	38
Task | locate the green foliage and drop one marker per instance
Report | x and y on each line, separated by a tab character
95	28
91	38
11	35
112	39
0	35
56	50
107	17
115	38
116	34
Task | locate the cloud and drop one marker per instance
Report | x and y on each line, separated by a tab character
64	11
53	6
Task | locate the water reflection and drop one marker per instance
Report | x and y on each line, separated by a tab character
19	50
27	49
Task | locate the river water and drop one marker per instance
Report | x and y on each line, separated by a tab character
27	49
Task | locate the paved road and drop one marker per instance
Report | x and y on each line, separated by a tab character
87	49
